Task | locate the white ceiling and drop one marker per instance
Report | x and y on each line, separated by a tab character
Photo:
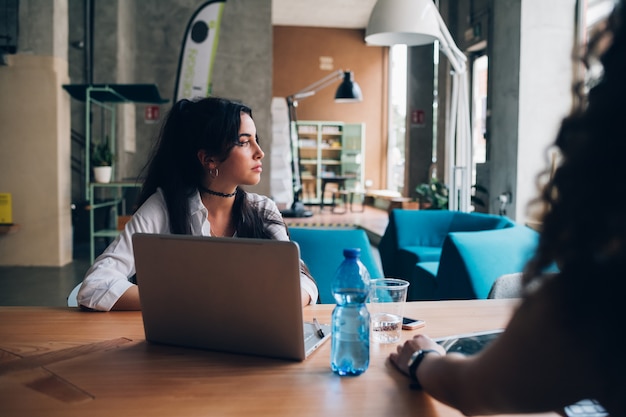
354	14
346	14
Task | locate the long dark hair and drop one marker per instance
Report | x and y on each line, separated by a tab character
584	223
584	227
211	124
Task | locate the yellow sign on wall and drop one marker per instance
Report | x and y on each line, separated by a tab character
6	214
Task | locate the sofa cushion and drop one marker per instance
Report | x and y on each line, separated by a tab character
451	280
430	227
423	283
423	253
422	227
477	259
472	222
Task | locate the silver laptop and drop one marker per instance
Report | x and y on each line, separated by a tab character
227	294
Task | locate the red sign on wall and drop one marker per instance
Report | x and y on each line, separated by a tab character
418	117
151	114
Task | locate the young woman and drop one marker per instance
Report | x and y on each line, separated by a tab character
563	343
208	148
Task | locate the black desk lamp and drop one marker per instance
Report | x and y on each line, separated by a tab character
347	92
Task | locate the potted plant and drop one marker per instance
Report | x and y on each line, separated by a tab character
102	161
432	195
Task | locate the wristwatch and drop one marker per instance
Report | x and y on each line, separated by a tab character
414	361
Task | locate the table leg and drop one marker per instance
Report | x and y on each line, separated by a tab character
361	197
344	197
322	196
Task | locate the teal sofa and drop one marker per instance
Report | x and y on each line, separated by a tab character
414	236
471	262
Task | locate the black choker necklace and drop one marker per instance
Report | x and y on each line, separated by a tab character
217	193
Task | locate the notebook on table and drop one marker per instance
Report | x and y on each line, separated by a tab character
233	295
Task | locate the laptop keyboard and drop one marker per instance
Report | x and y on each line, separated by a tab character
586	408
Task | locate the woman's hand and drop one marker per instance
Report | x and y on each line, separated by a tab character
401	358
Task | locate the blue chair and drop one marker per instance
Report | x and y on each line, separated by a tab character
507	286
321	249
471	262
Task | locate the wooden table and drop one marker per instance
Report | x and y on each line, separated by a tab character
64	362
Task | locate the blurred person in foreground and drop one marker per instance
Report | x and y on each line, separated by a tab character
562	343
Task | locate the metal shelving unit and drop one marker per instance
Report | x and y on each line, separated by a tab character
329	150
106	97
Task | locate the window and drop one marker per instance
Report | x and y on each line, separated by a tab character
479	110
397	117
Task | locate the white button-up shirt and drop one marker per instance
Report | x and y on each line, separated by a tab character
108	277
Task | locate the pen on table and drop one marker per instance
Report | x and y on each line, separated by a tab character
318	328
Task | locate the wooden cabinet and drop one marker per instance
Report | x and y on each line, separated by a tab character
329	152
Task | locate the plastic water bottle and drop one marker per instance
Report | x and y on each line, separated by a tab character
350	340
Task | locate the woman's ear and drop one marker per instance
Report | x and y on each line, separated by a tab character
204	158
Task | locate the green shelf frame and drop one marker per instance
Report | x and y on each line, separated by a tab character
106	97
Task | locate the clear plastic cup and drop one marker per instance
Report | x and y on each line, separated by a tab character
386	306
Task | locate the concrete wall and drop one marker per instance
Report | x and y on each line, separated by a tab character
419	145
504	85
140	42
34	139
243	68
546	71
531	76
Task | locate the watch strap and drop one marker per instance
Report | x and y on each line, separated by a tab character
415	360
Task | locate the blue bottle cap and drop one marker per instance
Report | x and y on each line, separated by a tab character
351	252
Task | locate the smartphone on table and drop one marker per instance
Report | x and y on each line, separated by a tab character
412	324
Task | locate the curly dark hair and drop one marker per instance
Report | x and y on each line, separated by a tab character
584	201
